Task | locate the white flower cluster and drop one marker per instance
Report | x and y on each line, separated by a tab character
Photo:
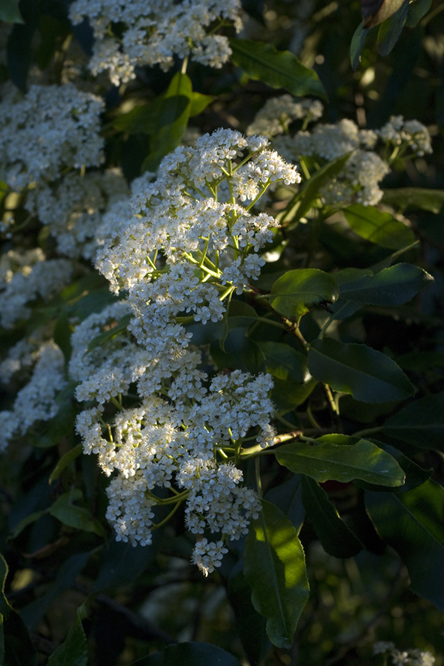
278	113
191	242
155	31
411	134
411	657
36	401
26	276
48	129
73	208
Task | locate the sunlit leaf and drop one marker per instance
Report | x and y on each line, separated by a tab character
369	375
378	227
279	69
328	461
274	566
293	294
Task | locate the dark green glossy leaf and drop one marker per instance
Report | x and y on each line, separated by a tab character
287	497
414	474
102	338
417	10
190	654
65	579
122	563
413	524
378	227
293	294
74	650
279	69
421	361
239	352
415	197
16	648
69	514
357	44
275	572
9	11
420	423
328	461
336	538
391	286
64	461
367	374
391	29
309	192
283	362
375	12
143	118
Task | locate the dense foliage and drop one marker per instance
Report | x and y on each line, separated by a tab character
221	342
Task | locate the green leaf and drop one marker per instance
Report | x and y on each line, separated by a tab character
102	338
309	192
200	102
417	10
275	571
142	119
420	423
412	523
65	579
391	29
391	286
293	294
403	198
377	11
336	538
190	654
74	650
279	69
75	516
27	520
9	11
64	461
357	44
377	227
122	563
61	425
367	374
287	497
328	461
16	648
283	362
172	121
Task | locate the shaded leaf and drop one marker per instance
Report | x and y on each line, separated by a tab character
392	286
420	423
287	497
120	326
27	520
64	461
403	198
78	517
417	10
375	12
293	294
16	648
412	523
61	425
283	362
279	69
74	650
367	374
9	11
357	44
336	538
275	572
344	462
378	227
391	29
190	654
122	563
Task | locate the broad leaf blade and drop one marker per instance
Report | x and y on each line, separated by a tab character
78	517
275	571
377	227
74	650
357	44
394	285
279	69
421	198
391	29
327	461
283	362
16	648
375	12
336	538
367	374
413	524
293	294
420	423
189	654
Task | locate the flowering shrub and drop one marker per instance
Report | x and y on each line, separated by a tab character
189	337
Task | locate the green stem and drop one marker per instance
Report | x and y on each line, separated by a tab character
165	520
